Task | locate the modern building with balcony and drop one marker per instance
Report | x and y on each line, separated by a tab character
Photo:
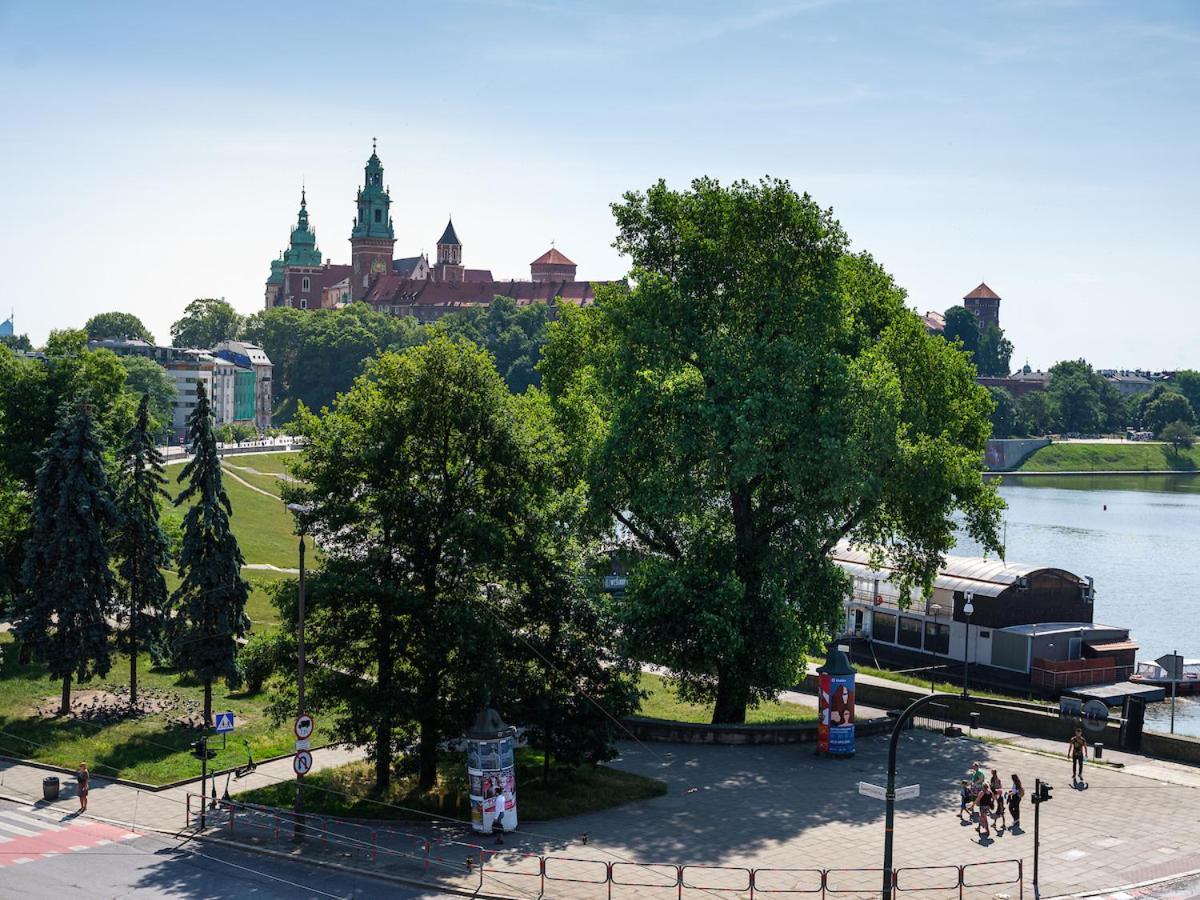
1028	626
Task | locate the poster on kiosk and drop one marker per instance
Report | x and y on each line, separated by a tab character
491	773
835	705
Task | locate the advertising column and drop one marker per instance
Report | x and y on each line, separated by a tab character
491	772
835	705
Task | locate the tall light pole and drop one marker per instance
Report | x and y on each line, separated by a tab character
934	610
299	510
968	608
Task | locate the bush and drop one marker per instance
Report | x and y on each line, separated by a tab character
260	657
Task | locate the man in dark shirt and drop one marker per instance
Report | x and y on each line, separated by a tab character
1077	750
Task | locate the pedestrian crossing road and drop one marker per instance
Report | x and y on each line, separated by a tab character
28	834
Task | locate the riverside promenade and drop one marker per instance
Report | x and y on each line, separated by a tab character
777	807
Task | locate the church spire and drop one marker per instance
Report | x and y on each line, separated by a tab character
303	249
372	238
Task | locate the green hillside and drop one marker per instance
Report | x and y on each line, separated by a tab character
1128	457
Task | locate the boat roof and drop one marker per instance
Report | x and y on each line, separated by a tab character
984	577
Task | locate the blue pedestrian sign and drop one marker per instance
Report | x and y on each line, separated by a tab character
224	722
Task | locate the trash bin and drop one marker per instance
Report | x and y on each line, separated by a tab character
50	787
1099	751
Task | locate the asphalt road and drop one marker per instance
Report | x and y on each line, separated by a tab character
41	860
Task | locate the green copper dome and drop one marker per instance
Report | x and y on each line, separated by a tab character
276	271
374	219
303	250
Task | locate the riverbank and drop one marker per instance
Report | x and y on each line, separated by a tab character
1070	458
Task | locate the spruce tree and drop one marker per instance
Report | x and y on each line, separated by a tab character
62	617
141	545
211	597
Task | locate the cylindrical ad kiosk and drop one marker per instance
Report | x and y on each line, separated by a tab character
835	705
492	773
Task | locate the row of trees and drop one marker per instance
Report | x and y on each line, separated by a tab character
1079	400
92	572
989	349
756	396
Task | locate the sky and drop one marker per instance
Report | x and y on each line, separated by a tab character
152	153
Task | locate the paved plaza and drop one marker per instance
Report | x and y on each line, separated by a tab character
782	808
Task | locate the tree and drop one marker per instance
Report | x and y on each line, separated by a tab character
1168	408
141	546
211	597
117	325
1082	400
62	616
205	323
413	478
1006	415
1188	383
1035	413
757	397
961	325
1179	435
995	353
145	377
513	335
572	680
16	342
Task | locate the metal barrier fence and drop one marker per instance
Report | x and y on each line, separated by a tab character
936	717
446	860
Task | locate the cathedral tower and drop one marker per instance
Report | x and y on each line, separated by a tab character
449	255
372	239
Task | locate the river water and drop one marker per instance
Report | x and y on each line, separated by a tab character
1139	537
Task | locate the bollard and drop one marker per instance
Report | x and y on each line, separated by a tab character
374	846
1098	751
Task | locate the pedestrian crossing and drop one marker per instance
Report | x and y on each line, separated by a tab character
28	834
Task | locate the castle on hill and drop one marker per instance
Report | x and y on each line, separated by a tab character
409	286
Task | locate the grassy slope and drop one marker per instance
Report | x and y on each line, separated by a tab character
661	703
148	750
348	791
1130	457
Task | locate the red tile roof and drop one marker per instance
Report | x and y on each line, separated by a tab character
477	275
444	296
552	257
983	292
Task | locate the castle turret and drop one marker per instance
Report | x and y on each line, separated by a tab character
372	240
449	255
552	266
985	304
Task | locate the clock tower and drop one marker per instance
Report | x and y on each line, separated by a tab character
371	239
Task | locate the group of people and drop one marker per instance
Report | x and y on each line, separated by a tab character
986	798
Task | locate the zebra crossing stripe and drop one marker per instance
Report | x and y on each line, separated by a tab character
28	822
23	832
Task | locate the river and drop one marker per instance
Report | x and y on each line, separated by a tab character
1139	537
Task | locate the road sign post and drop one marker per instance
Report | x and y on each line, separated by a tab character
1172	663
224	723
302	763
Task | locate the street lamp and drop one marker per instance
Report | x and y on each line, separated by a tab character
300	510
968	608
934	610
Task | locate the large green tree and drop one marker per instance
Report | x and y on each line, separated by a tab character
757	397
962	326
205	323
413	479
1188	383
141	547
1170	407
210	601
62	616
1006	414
513	335
994	356
1082	400
145	377
117	325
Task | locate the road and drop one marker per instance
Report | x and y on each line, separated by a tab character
46	856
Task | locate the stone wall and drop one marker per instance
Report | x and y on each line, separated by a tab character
1004	455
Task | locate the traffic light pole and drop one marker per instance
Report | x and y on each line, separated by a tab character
203	778
1037	811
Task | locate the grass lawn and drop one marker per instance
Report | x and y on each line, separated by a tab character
662	703
262	525
349	791
259	608
150	749
943	687
274	463
1128	457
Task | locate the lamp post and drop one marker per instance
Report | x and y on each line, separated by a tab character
934	610
299	510
968	609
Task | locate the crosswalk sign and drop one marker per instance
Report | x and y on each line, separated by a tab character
224	722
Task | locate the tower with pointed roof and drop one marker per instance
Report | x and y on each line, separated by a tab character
449	255
295	273
553	265
372	239
985	304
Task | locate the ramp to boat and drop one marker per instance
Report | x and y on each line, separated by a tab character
1115	694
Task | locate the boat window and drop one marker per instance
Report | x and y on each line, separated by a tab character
883	627
937	638
910	633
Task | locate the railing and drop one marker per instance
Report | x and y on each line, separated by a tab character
1054	679
936	717
442	861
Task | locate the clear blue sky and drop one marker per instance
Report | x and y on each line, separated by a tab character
153	152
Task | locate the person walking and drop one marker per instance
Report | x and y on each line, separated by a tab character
996	786
1077	750
1015	793
82	779
964	801
985	808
